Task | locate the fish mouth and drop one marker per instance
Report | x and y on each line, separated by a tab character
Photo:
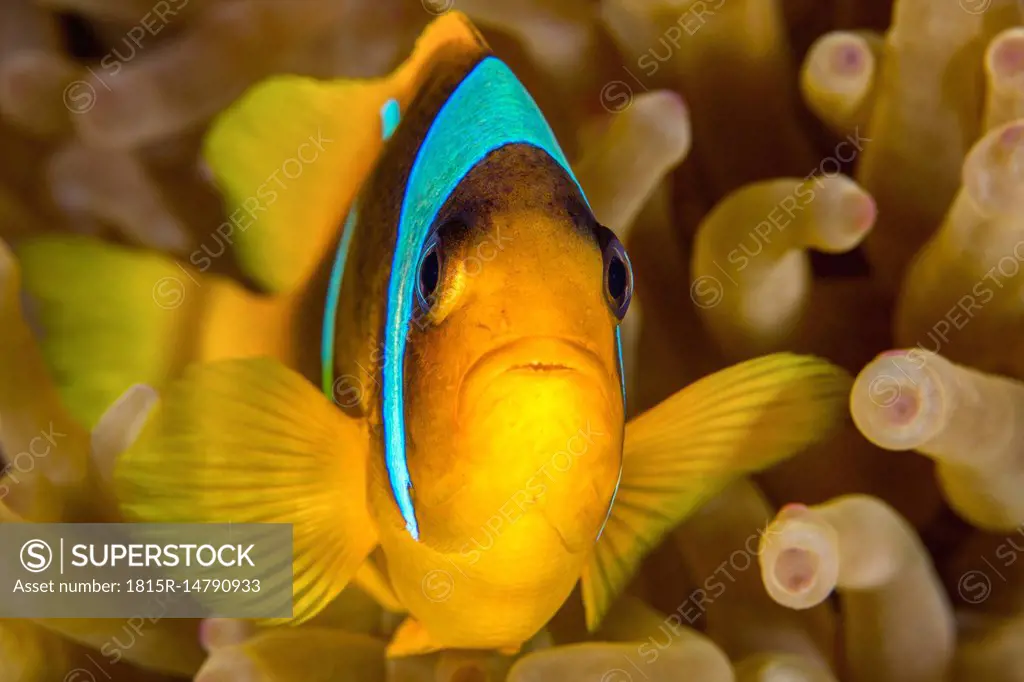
541	355
544	357
540	367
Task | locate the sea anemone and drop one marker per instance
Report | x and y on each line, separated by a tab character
837	178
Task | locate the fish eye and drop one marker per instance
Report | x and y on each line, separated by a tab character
618	274
429	275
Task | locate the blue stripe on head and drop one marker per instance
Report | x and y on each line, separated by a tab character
489	109
611	504
622	382
331	305
390	117
622	370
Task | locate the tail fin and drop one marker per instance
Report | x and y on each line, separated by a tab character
111	316
108	317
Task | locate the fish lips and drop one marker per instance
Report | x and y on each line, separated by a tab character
540	356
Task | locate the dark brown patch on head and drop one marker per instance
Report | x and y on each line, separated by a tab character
517	178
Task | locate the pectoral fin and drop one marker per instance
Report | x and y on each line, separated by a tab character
678	454
292	153
250	441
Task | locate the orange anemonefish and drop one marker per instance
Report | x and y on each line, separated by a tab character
473	426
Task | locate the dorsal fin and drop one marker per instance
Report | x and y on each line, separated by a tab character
292	153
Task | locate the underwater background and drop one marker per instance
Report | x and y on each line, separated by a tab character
843	178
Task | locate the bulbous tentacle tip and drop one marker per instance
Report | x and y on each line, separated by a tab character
839	61
850	215
895	402
799	558
1004	58
993	170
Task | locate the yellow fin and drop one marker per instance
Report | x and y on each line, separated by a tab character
411	639
250	441
372	580
678	454
292	153
110	317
